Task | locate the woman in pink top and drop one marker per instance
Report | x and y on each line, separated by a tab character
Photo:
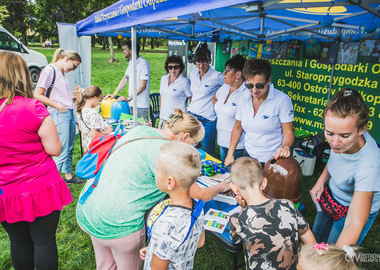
60	104
32	192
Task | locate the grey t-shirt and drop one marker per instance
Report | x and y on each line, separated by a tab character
168	233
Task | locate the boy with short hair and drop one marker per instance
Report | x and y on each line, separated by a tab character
269	228
174	237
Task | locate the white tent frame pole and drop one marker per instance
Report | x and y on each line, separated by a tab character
365	6
134	74
333	65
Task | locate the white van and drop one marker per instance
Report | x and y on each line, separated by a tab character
36	61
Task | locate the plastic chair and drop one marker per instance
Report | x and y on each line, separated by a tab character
154	108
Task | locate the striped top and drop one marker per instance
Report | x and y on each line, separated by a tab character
61	91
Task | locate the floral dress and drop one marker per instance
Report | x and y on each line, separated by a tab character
90	119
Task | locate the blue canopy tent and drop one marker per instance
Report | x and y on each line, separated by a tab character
216	20
208	20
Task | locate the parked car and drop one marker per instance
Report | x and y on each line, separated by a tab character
36	61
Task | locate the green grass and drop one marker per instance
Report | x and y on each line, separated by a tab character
74	246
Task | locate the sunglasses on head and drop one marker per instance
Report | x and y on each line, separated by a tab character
257	85
176	67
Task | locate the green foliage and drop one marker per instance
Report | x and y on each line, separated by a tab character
20	17
74	246
3	13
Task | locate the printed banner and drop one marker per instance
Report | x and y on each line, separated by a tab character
307	82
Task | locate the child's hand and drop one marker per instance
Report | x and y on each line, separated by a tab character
143	253
239	199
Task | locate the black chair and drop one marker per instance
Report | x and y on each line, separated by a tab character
154	108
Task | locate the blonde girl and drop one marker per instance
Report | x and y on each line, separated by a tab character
328	257
89	120
60	104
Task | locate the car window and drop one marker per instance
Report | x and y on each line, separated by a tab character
8	43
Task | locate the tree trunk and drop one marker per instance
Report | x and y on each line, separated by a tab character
144	44
152	43
93	41
104	43
112	58
24	38
119	43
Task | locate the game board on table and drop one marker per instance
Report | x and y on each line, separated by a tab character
213	172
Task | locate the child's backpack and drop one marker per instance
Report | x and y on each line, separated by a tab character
98	151
160	208
100	148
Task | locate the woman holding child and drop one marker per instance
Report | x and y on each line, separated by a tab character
265	114
113	214
351	173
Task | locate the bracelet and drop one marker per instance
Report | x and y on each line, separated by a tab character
285	147
115	93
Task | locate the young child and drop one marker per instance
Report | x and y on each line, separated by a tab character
328	257
89	120
269	228
173	244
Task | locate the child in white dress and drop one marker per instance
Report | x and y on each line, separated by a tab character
89	120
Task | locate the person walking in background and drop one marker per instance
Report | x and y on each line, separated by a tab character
143	82
265	114
351	177
205	81
174	89
89	120
61	105
32	192
226	101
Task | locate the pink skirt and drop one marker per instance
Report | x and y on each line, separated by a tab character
27	206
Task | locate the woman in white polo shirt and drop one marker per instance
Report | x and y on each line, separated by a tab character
205	81
61	105
226	101
174	89
265	114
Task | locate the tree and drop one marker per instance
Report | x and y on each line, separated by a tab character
21	13
49	12
3	13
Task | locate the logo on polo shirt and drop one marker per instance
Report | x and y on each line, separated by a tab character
265	116
233	104
174	89
291	112
206	85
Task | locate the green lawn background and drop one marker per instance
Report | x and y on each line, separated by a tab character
74	246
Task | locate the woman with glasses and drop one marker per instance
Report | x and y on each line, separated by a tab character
205	81
225	102
174	89
60	104
265	114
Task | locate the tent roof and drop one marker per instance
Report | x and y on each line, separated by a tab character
232	19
